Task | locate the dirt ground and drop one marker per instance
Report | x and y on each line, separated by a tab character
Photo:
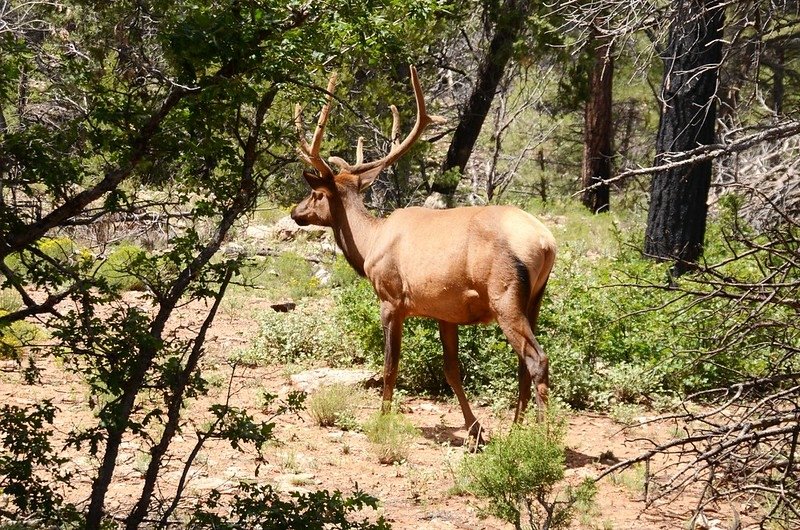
417	494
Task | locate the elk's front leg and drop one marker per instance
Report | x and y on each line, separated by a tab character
392	322
448	333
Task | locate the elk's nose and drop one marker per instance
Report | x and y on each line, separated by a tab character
297	218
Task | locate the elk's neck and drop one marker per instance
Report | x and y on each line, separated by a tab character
355	231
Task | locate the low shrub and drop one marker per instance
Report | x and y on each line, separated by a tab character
119	268
391	435
261	506
17	335
305	335
288	275
484	354
60	253
517	473
334	405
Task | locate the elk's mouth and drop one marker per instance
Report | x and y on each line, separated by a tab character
301	221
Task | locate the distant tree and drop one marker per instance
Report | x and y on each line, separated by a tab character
509	19
597	125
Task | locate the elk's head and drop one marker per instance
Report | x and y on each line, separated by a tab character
330	191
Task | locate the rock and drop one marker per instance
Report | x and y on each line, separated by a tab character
311	380
436	201
329	248
283	307
258	231
323	275
233	250
286	229
336	435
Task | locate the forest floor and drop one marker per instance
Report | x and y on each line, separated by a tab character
419	493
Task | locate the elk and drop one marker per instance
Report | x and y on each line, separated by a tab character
464	265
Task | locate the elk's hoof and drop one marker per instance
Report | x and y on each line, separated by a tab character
476	438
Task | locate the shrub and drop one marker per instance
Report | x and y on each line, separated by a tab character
32	473
517	473
119	268
342	274
60	250
261	506
10	300
333	405
304	335
288	275
391	434
17	335
295	274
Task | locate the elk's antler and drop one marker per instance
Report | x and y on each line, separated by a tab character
310	153
367	170
398	148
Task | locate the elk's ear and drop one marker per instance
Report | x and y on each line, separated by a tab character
312	178
366	178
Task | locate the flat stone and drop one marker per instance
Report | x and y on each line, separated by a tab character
286	229
258	231
311	380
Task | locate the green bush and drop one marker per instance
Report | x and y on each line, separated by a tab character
261	506
32	475
342	274
517	473
119	269
17	335
334	405
391	435
60	252
288	275
305	335
616	333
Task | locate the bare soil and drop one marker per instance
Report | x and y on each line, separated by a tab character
416	494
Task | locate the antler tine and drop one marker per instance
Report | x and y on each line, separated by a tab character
360	151
395	125
398	148
310	153
316	142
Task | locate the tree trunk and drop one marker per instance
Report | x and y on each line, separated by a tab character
676	220
597	130
510	23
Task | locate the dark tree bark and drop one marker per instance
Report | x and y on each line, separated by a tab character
597	128
510	24
676	222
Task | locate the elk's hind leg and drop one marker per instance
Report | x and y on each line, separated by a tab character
533	366
448	333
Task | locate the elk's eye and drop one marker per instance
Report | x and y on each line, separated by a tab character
316	195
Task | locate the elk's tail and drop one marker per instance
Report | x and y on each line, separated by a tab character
538	286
